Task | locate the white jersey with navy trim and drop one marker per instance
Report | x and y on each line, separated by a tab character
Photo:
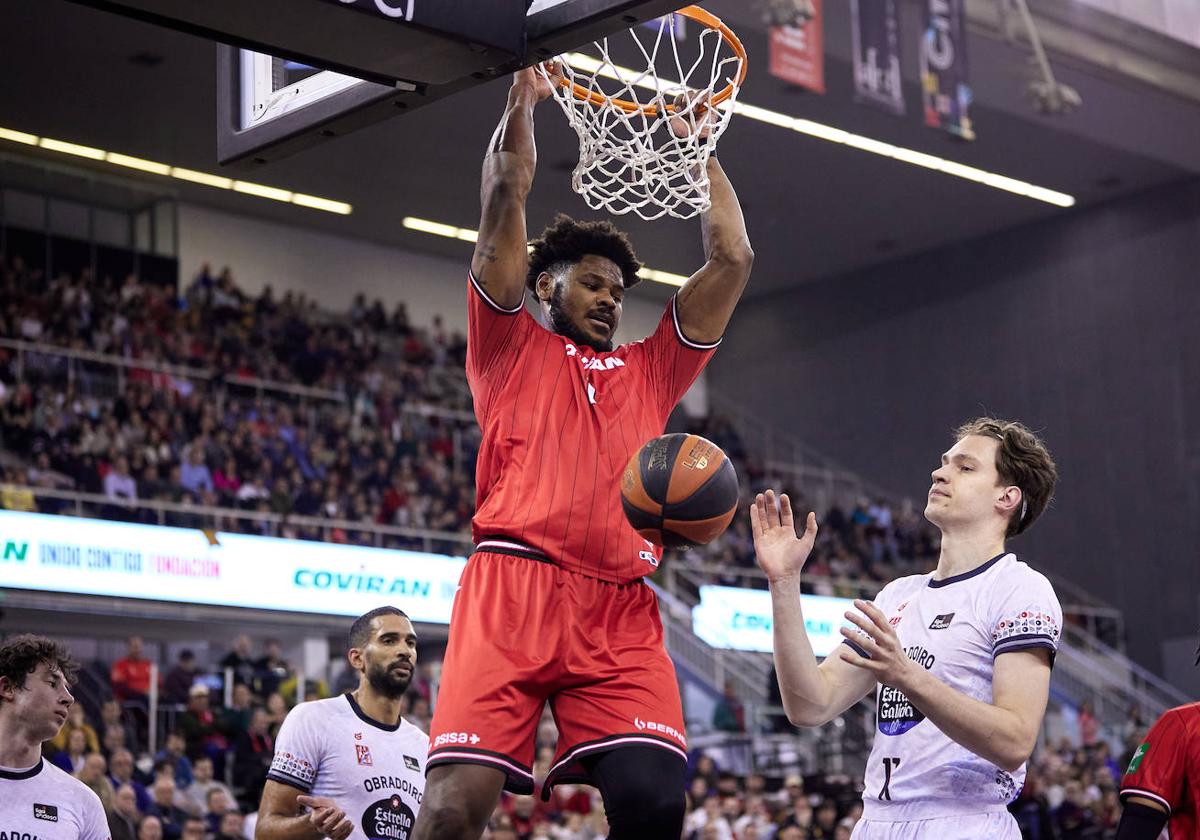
43	802
373	771
955	628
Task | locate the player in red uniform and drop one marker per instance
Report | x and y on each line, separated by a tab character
552	605
1163	779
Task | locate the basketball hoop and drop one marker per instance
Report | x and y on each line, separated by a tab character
630	159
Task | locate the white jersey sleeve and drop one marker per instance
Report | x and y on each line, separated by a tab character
298	749
1024	613
45	803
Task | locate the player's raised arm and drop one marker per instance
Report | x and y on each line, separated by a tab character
812	694
707	299
501	254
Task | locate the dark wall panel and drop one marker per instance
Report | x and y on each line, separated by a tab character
1086	327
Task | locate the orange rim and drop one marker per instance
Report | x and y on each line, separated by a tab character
704	18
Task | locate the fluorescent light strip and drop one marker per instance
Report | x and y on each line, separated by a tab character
155	168
470	235
588	64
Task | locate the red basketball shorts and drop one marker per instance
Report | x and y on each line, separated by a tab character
524	631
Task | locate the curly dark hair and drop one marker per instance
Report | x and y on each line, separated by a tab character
568	241
20	656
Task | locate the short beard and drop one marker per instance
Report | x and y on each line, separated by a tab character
385	682
564	326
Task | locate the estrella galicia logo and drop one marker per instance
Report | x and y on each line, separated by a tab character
49	813
388	819
941	622
896	713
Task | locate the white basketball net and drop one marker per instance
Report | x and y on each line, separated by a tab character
631	160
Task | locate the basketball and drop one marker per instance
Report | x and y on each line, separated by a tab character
679	491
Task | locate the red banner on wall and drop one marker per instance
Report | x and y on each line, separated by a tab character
797	53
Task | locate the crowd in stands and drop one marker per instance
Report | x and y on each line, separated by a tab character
391	451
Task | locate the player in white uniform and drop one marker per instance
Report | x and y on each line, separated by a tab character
38	801
350	766
960	658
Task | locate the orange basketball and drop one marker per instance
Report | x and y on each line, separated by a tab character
679	491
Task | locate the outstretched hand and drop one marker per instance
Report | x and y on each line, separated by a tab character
535	81
780	553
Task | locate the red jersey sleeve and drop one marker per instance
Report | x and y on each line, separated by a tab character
493	332
673	361
1158	767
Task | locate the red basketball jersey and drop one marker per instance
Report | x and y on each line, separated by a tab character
1166	769
559	423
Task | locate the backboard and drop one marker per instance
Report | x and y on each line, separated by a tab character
293	73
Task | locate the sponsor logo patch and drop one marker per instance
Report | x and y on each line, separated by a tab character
1136	761
49	813
411	763
941	622
363	753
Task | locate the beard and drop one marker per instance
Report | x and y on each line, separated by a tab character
387	681
562	324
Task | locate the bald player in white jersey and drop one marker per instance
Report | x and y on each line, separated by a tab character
38	801
350	766
960	658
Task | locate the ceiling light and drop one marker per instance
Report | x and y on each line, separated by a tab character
191	175
138	163
18	136
71	148
262	190
201	178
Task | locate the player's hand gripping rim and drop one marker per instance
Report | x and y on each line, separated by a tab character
536	82
326	817
780	553
887	660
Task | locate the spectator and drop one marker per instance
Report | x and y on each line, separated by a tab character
271	669
197	792
193	829
252	753
172	756
76	720
179	679
198	724
72	758
150	828
124	816
729	714
236	716
239	660
169	814
119	485
130	675
217	804
231	827
121	774
94	775
194	475
111	717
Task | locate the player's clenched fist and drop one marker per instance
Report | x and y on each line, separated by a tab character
780	553
326	817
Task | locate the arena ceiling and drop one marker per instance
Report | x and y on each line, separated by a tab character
814	209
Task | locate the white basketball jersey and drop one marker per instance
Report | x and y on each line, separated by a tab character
44	803
374	772
955	628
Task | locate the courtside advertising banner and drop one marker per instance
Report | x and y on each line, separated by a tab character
740	619
945	91
797	53
95	557
875	30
